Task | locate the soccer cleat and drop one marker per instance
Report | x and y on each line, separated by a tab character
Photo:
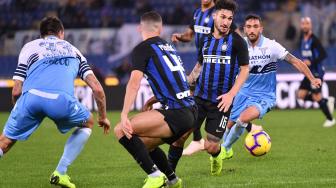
155	182
178	184
329	123
227	154
216	164
194	147
331	104
63	180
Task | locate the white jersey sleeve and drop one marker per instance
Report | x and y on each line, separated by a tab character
279	51
26	57
84	67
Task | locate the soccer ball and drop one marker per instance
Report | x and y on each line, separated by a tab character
258	143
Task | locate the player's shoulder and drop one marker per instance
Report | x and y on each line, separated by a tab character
237	39
32	44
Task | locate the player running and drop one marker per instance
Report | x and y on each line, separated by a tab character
141	135
258	94
44	87
313	53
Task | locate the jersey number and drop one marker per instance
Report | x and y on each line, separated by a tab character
177	67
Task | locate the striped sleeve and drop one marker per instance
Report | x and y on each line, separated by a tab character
84	67
21	70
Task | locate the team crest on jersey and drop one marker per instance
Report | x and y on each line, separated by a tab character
206	20
263	50
306	46
224	47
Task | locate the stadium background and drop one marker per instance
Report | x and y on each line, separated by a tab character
105	32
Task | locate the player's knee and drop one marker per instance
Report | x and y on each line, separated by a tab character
90	122
230	124
5	143
118	131
300	95
211	147
317	97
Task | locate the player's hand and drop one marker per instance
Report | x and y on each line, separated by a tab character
126	127
175	37
105	124
307	62
316	83
225	102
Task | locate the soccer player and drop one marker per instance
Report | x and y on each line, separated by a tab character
44	87
201	26
257	96
313	54
141	135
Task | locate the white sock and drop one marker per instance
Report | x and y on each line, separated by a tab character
1	153
157	173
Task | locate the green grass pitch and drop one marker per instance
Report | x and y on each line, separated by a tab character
303	154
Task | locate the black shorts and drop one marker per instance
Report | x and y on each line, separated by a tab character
179	121
215	120
305	85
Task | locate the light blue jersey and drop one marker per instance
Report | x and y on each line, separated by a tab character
48	68
50	64
260	88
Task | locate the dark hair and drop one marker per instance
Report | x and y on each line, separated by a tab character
227	5
151	16
50	26
253	17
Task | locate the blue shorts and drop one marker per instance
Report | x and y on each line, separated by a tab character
241	102
33	106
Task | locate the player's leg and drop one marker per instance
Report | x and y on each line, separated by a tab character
215	126
160	159
73	115
5	144
323	103
249	114
23	120
153	124
176	149
196	146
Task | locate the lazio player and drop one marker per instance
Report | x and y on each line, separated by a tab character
257	96
44	87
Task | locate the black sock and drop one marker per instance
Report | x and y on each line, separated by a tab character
139	152
249	127
308	97
325	109
197	134
216	154
160	159
174	155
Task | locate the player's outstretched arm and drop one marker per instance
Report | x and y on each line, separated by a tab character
183	37
303	68
227	98
132	88
16	91
99	95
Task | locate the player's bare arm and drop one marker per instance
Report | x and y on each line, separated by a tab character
99	95
130	95
192	77
303	68
17	90
227	98
183	37
149	104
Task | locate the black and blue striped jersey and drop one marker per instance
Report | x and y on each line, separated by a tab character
163	68
202	24
313	51
220	60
